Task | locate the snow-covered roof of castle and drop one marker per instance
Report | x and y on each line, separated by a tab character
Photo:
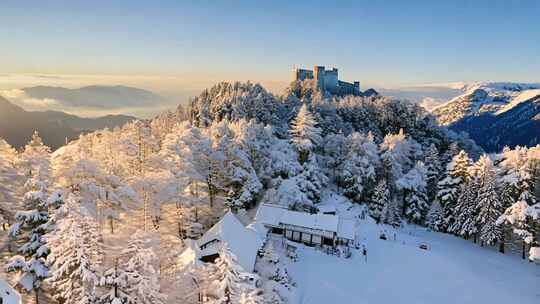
274	215
8	294
242	242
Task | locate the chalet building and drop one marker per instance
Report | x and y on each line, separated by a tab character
242	242
311	229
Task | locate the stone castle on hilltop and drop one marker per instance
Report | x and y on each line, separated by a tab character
327	80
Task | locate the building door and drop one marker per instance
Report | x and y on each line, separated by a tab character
328	241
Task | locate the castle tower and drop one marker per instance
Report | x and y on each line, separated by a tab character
318	75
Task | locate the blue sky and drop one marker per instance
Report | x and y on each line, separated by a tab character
383	43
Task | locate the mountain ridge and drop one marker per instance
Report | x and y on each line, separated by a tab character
495	114
55	127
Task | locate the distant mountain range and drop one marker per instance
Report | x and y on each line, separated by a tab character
495	114
95	100
17	125
96	96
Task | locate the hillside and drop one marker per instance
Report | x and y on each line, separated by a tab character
317	172
495	114
17	125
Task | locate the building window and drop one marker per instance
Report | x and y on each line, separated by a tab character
276	230
288	234
306	238
328	241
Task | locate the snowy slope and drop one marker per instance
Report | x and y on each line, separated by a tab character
453	270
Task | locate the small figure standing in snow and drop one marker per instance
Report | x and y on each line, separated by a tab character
364	252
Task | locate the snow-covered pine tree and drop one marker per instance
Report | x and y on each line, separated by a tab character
113	284
35	159
397	156
312	179
433	167
8	153
141	278
466	211
380	200
277	284
524	221
489	205
74	258
392	214
191	148
8	182
435	217
237	177
305	134
232	284
359	169
449	187
335	153
415	199
28	232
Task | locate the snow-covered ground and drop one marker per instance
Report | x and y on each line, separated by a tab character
453	270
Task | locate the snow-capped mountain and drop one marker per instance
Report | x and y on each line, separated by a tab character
495	114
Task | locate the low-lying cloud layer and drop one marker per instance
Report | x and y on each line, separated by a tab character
88	101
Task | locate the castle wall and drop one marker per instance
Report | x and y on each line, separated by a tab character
302	74
328	80
319	76
331	80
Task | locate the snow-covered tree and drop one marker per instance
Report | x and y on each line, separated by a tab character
489	205
8	182
141	278
105	194
398	154
7	153
466	211
305	134
457	173
277	284
237	175
359	170
74	258
379	200
113	284
524	221
435	217
415	197
392	214
335	153
433	167
232	284
35	159
312	179
28	232
191	148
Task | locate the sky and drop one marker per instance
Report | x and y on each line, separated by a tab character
176	48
